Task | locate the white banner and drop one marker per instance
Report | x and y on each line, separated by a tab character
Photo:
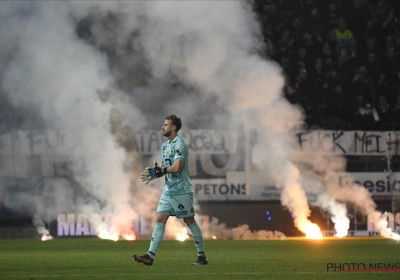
218	189
263	188
349	142
54	147
380	185
199	141
234	188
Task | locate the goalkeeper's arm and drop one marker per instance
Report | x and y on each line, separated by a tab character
159	171
151	173
176	167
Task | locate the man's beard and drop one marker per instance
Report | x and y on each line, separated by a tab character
167	134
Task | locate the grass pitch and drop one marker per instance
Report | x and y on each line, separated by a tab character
293	258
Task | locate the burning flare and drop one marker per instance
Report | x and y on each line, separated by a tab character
46	237
380	222
115	236
341	226
129	236
107	235
45	233
313	231
182	235
114	231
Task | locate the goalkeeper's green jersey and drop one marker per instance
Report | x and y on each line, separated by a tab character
176	183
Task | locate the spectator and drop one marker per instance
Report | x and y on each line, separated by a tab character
331	42
312	45
383	87
297	28
316	23
299	61
353	48
371	30
385	114
284	51
363	86
304	84
345	64
329	50
271	11
337	112
390	63
382	13
370	46
343	35
366	118
396	30
374	68
357	17
332	15
390	43
308	8
285	43
293	96
331	79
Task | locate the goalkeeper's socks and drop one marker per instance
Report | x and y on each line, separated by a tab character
151	255
198	238
156	238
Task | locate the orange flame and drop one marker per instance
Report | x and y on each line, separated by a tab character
108	235
46	237
313	231
129	236
182	235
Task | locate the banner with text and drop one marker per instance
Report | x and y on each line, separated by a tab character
199	141
349	142
380	185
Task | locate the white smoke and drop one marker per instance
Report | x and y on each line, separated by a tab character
217	57
212	49
58	74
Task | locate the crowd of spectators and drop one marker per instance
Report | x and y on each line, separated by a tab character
340	58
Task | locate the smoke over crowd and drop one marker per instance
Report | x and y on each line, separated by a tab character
102	70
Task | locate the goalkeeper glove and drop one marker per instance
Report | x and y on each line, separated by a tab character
151	173
157	171
145	176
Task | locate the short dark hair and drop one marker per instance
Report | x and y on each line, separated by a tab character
175	121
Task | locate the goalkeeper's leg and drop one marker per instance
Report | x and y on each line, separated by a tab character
183	207
156	239
158	233
164	210
198	240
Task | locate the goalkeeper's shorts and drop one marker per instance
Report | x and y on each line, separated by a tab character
180	206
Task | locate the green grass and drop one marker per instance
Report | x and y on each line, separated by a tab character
297	258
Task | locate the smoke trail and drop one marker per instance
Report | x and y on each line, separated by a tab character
211	57
361	198
57	74
323	171
218	57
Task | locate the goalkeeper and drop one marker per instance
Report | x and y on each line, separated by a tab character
177	197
